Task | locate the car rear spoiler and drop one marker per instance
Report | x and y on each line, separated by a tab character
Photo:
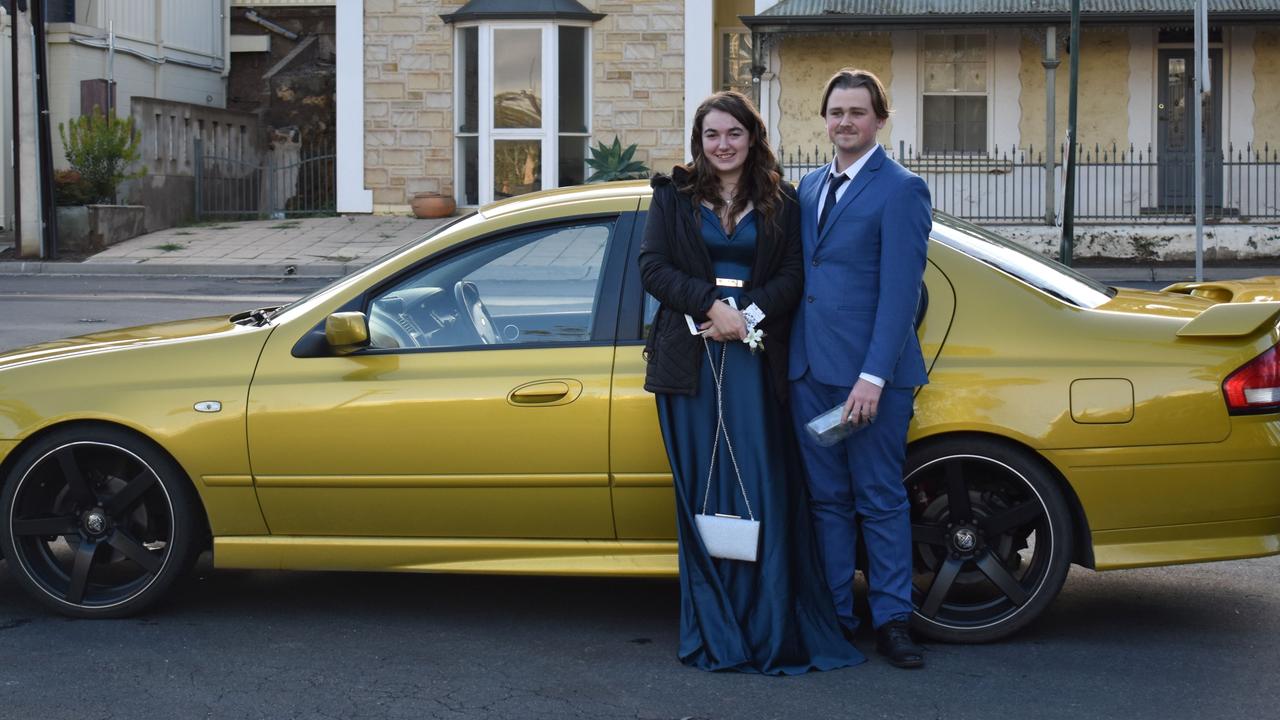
1258	289
1232	320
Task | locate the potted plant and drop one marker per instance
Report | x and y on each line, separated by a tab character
100	150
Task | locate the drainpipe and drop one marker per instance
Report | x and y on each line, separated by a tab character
1051	63
47	208
1069	194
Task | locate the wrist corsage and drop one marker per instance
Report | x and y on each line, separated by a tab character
754	339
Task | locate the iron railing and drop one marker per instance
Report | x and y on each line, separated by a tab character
1113	184
230	189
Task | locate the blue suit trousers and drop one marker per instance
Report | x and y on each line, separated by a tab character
860	478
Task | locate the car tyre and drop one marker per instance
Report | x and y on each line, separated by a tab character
991	538
97	522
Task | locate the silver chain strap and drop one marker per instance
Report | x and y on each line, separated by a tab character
721	428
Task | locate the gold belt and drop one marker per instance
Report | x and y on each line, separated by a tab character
730	282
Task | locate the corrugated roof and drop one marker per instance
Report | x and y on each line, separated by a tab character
797	8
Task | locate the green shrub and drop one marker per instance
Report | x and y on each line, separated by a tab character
101	149
613	162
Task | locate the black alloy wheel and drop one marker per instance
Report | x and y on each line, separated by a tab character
991	537
96	522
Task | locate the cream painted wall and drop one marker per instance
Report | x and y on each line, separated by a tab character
905	86
1142	88
1240	81
1102	115
1006	91
806	62
1266	92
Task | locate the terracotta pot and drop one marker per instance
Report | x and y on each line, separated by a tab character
432	205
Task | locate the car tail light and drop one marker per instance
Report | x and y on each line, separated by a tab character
1255	387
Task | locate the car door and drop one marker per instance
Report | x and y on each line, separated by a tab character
481	408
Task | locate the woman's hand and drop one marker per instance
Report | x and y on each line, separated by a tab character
725	323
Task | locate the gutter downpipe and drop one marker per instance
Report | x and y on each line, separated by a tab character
1067	246
48	210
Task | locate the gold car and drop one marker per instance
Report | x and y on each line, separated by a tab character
473	403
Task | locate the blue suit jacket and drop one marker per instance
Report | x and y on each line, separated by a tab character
862	277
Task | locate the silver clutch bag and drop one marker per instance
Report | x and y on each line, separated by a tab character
729	536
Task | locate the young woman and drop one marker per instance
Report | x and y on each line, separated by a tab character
727	226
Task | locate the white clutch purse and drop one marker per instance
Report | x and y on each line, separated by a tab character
729	536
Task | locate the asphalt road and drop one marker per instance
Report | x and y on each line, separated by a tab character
1198	641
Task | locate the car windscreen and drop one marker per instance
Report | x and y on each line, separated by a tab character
1048	276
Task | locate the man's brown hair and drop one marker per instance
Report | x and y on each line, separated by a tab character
848	78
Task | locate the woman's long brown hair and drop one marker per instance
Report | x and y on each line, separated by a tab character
760	183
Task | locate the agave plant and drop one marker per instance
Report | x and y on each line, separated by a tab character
613	162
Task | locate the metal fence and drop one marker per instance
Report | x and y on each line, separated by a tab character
1113	184
293	183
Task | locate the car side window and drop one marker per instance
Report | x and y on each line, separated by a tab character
535	286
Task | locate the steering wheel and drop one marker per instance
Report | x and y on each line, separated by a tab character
472	308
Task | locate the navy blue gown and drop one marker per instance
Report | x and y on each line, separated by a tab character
775	615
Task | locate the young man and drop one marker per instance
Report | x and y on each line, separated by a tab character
864	224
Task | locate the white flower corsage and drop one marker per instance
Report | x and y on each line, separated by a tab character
754	339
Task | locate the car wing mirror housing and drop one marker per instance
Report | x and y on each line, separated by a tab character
346	332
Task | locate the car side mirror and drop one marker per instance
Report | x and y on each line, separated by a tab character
346	332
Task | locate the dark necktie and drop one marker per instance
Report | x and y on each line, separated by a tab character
832	187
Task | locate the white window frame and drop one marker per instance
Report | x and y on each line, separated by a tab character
486	134
988	93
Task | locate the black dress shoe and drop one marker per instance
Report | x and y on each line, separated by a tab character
893	640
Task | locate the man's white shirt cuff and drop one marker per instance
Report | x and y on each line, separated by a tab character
877	381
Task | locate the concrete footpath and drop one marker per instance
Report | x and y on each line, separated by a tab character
331	247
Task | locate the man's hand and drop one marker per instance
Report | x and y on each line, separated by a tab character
863	401
726	323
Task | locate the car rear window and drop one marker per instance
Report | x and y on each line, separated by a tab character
1038	271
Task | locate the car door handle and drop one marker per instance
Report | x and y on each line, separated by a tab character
546	392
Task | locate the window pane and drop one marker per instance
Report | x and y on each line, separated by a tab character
469	152
537	287
939	77
573	160
469	61
517	167
574	74
955	123
939	123
517	78
972	124
735	62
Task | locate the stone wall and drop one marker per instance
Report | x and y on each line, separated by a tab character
408	109
1101	114
806	62
1266	89
638	78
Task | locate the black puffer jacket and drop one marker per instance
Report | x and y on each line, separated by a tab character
675	268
